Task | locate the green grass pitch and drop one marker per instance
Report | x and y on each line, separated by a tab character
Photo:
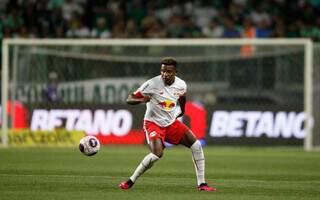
238	173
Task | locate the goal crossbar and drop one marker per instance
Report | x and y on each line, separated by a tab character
156	42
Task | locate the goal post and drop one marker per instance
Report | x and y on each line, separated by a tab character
4	92
125	59
308	96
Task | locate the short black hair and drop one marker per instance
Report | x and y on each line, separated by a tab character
169	61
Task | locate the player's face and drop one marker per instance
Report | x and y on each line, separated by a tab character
168	73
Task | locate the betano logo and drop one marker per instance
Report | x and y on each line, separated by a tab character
254	124
167	104
105	122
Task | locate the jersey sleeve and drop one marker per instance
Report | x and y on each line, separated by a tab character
144	89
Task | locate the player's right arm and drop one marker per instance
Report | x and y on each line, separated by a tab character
134	99
141	95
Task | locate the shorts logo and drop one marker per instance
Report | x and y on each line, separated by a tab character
152	134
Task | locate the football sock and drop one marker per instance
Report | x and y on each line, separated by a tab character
198	161
145	164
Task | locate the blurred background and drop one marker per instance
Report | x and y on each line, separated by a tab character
159	19
238	94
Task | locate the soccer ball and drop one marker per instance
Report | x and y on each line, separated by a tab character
89	145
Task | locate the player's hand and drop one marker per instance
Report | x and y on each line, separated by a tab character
146	98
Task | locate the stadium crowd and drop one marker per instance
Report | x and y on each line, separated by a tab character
160	19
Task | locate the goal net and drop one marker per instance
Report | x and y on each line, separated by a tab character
253	91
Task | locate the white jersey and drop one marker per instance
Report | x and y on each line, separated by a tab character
162	108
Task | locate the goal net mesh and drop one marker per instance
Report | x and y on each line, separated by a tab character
271	75
316	97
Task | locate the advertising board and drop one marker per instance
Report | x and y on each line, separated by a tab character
122	124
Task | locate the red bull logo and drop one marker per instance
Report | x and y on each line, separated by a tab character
167	104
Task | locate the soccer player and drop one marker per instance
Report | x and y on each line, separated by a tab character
165	98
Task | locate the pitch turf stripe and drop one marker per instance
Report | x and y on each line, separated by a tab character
58	175
75	176
167	178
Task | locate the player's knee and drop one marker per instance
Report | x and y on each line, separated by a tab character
156	147
158	152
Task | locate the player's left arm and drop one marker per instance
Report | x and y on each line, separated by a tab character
182	103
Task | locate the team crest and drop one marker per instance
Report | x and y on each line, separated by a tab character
167	104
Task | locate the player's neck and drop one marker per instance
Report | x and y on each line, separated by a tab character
168	84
